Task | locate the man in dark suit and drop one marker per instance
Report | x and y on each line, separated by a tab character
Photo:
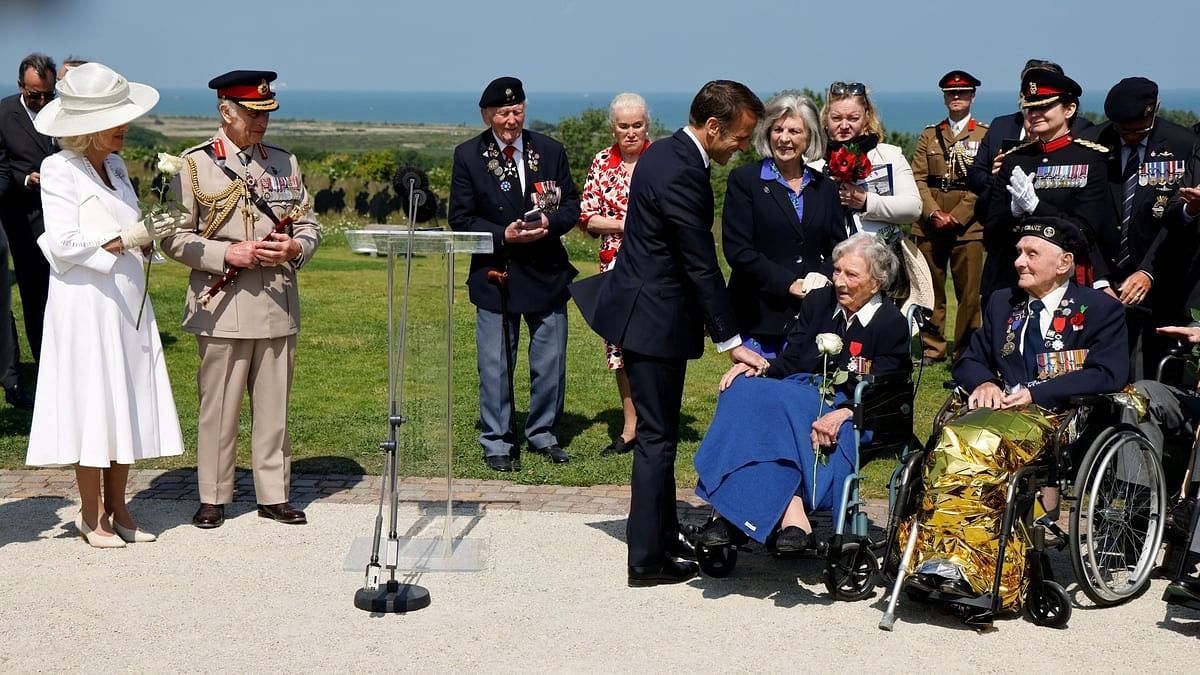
1008	130
22	150
1146	165
494	179
657	302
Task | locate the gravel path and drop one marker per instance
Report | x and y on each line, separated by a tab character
255	596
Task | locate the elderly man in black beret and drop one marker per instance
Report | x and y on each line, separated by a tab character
493	183
1146	163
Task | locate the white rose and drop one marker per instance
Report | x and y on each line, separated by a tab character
169	164
829	344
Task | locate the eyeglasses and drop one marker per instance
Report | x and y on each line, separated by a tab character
848	89
34	95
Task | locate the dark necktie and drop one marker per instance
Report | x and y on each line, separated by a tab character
839	324
1130	176
508	153
1033	342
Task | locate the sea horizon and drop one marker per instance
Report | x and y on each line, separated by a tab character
902	111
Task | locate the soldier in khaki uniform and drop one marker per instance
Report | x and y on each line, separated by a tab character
247	330
947	233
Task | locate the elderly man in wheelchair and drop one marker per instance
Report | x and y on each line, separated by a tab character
1050	355
1175	413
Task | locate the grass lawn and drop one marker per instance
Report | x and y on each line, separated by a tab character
339	401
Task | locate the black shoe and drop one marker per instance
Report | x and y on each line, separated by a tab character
792	539
17	397
1184	589
721	532
681	547
209	516
619	446
499	463
666	573
555	453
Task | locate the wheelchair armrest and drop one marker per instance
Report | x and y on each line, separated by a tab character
884	379
1079	400
950	384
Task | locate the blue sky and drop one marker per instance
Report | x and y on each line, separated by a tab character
602	45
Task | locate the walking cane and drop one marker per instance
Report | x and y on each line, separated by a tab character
500	278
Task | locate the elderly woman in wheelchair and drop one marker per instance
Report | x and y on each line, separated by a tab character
782	442
1047	354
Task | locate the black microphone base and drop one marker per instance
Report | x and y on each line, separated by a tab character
392	598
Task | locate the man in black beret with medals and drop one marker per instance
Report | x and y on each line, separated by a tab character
948	234
1052	174
495	179
1146	164
235	189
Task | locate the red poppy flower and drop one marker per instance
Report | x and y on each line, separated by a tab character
848	165
1077	319
607	255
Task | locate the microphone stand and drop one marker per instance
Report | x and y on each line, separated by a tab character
393	596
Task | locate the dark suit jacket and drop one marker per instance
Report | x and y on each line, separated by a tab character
22	150
1103	334
538	272
885	340
768	247
666	286
1188	233
1153	249
1005	127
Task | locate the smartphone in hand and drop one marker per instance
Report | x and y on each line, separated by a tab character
532	219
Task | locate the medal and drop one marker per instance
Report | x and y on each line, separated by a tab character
505	185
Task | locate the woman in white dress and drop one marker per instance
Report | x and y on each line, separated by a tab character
103	399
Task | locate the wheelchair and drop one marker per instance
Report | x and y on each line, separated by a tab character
1108	475
882	403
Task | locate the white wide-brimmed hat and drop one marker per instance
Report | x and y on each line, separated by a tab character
93	97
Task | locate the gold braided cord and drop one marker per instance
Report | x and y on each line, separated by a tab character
220	204
1089	144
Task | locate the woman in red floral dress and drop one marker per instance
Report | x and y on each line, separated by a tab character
605	201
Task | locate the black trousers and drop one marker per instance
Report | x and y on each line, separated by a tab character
33	279
656	386
10	355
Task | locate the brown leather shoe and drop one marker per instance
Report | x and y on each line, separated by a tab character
284	513
209	516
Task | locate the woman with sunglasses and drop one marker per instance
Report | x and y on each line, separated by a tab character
886	196
1052	174
780	223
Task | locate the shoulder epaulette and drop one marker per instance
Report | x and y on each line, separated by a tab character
1089	144
273	146
931	126
197	148
981	124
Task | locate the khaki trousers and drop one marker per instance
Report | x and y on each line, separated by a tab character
229	368
964	259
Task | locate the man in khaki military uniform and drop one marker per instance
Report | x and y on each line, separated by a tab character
947	233
247	330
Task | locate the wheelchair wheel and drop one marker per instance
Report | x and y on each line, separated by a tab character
716	561
1048	605
1117	518
851	574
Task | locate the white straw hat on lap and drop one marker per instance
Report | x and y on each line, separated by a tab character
91	98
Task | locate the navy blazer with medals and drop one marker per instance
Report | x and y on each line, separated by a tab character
1153	248
768	247
1004	128
538	272
1101	331
883	342
666	286
22	150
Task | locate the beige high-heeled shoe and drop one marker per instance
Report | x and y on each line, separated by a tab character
97	540
134	536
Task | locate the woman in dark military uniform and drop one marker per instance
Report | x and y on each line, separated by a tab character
1053	174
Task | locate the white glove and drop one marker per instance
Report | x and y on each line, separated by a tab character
1024	197
150	229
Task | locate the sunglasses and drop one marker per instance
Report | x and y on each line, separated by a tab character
848	89
34	95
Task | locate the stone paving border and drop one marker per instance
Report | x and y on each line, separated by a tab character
490	495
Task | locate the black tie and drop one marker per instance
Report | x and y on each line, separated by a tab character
839	324
1033	342
1130	176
